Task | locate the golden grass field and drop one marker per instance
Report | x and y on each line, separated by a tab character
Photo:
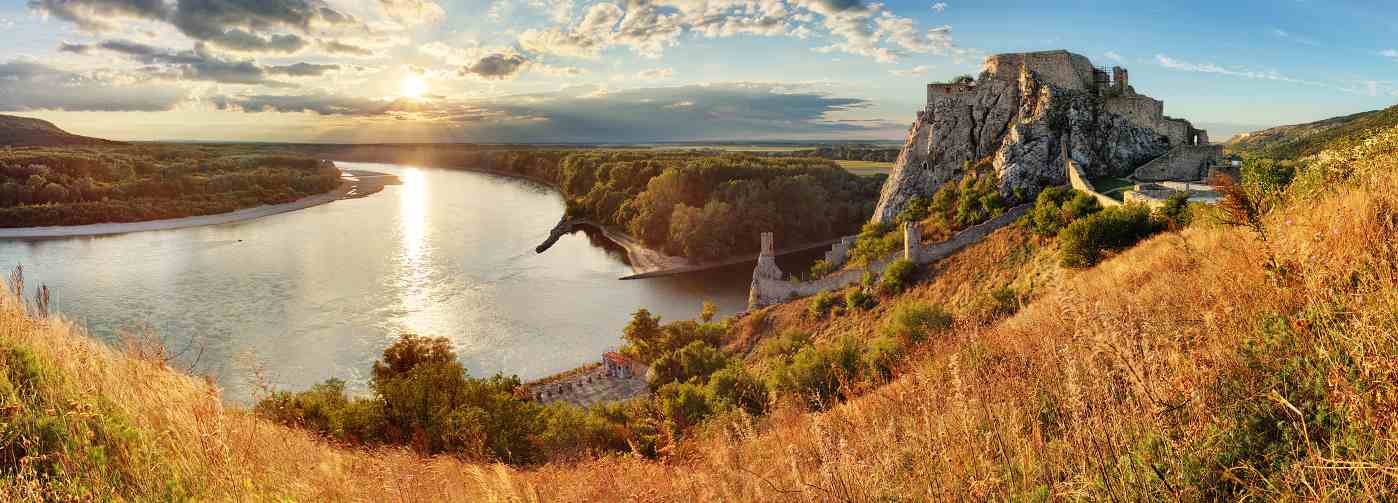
866	168
1200	365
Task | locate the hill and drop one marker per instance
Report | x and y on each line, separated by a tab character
27	132
1304	140
1247	356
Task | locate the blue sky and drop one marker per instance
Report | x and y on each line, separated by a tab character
650	70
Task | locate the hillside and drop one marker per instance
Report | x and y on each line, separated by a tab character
1303	140
1221	362
27	132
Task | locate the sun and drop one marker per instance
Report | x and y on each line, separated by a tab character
413	87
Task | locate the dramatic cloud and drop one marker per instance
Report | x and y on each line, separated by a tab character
593	115
200	64
29	86
496	66
648	27
335	47
239	25
413	12
301	70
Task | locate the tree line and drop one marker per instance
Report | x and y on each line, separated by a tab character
76	186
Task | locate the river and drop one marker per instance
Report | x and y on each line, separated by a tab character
317	293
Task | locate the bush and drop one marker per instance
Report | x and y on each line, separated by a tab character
1175	213
684	404
784	345
693	363
858	299
1056	207
875	242
822	303
996	304
897	276
733	387
1083	243
821	375
915	321
821	268
1267	177
883	354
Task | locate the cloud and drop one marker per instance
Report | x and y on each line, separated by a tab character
496	66
1360	87
1114	56
588	114
273	26
1389	53
30	86
649	27
413	12
336	47
909	72
301	70
940	7
656	74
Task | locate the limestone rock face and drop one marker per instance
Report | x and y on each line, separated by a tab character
1027	123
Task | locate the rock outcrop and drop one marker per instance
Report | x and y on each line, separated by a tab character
1027	114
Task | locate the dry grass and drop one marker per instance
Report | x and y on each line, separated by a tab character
1128	381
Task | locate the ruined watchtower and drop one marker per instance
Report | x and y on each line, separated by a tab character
1120	79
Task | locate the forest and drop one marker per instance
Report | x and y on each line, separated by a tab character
702	205
88	185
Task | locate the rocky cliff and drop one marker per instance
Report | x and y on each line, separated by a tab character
1026	114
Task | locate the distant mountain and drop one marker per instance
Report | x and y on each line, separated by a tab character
1302	140
24	131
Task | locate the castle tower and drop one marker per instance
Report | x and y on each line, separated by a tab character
912	241
767	260
1120	78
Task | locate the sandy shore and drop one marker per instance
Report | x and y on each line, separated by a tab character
355	183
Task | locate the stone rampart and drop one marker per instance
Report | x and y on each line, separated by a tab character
768	289
1148	112
1184	162
839	253
1078	180
1060	68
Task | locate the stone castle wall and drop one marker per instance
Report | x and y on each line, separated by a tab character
768	289
1078	180
1184	162
1148	112
1060	68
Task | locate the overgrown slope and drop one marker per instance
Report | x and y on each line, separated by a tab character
1303	140
24	131
1221	362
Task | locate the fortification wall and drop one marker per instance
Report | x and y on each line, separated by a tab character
1184	162
1078	180
1060	68
1148	112
767	290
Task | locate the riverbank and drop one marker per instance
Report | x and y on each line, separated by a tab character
354	184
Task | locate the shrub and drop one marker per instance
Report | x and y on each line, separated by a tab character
1267	177
1175	213
882	355
1083	243
684	404
784	345
915	321
1056	207
995	304
733	387
822	303
821	268
821	375
693	363
897	276
858	299
875	242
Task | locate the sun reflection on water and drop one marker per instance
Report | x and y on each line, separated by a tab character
415	265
